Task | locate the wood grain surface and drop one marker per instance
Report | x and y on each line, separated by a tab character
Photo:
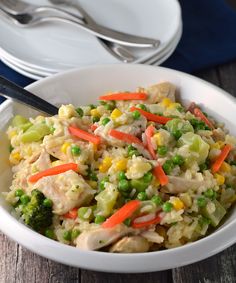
18	265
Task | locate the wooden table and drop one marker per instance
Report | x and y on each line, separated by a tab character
22	266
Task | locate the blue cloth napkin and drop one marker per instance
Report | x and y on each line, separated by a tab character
209	39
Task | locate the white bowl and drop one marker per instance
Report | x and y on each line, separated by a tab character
83	86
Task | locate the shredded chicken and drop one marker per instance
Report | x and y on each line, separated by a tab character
178	185
159	91
133	244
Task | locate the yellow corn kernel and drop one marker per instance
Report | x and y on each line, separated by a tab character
218	145
225	167
158	139
121	165
220	179
64	147
178	204
15	157
166	102
11	134
94	113
105	165
116	113
186	199
174	105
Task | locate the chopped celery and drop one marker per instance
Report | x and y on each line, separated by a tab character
139	184
217	215
196	145
178	124
35	133
19	120
25	126
106	200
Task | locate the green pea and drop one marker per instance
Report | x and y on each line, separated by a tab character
203	167
178	159
123	185
74	234
105	121
96	119
142	106
49	233
127	222
147	178
102	183
180	109
24	199
177	134
92	176
82	212
47	202
80	112
162	150
92	106
110	106
11	148
99	219
52	129
19	193
168	166
133	152
157	200
201	202
75	150
167	206
121	176
210	193
142	196
136	115
67	235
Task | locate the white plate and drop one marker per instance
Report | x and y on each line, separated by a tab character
55	46
75	87
37	74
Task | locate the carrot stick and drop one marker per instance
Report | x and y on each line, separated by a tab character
152	117
84	135
220	159
124	137
72	214
198	113
125	96
120	215
53	171
93	127
160	175
149	133
139	225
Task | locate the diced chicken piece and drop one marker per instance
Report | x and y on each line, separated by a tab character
178	185
152	236
218	134
53	146
137	167
133	244
159	91
66	190
98	238
43	162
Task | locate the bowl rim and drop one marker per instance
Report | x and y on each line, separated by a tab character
108	262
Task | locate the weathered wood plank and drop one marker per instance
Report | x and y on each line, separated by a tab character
217	269
18	265
100	277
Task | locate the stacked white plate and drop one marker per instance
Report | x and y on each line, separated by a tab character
47	49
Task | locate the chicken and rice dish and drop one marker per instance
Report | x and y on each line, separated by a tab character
137	172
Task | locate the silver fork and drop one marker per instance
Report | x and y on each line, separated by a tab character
116	50
35	17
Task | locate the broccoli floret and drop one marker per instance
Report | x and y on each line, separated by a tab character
37	213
